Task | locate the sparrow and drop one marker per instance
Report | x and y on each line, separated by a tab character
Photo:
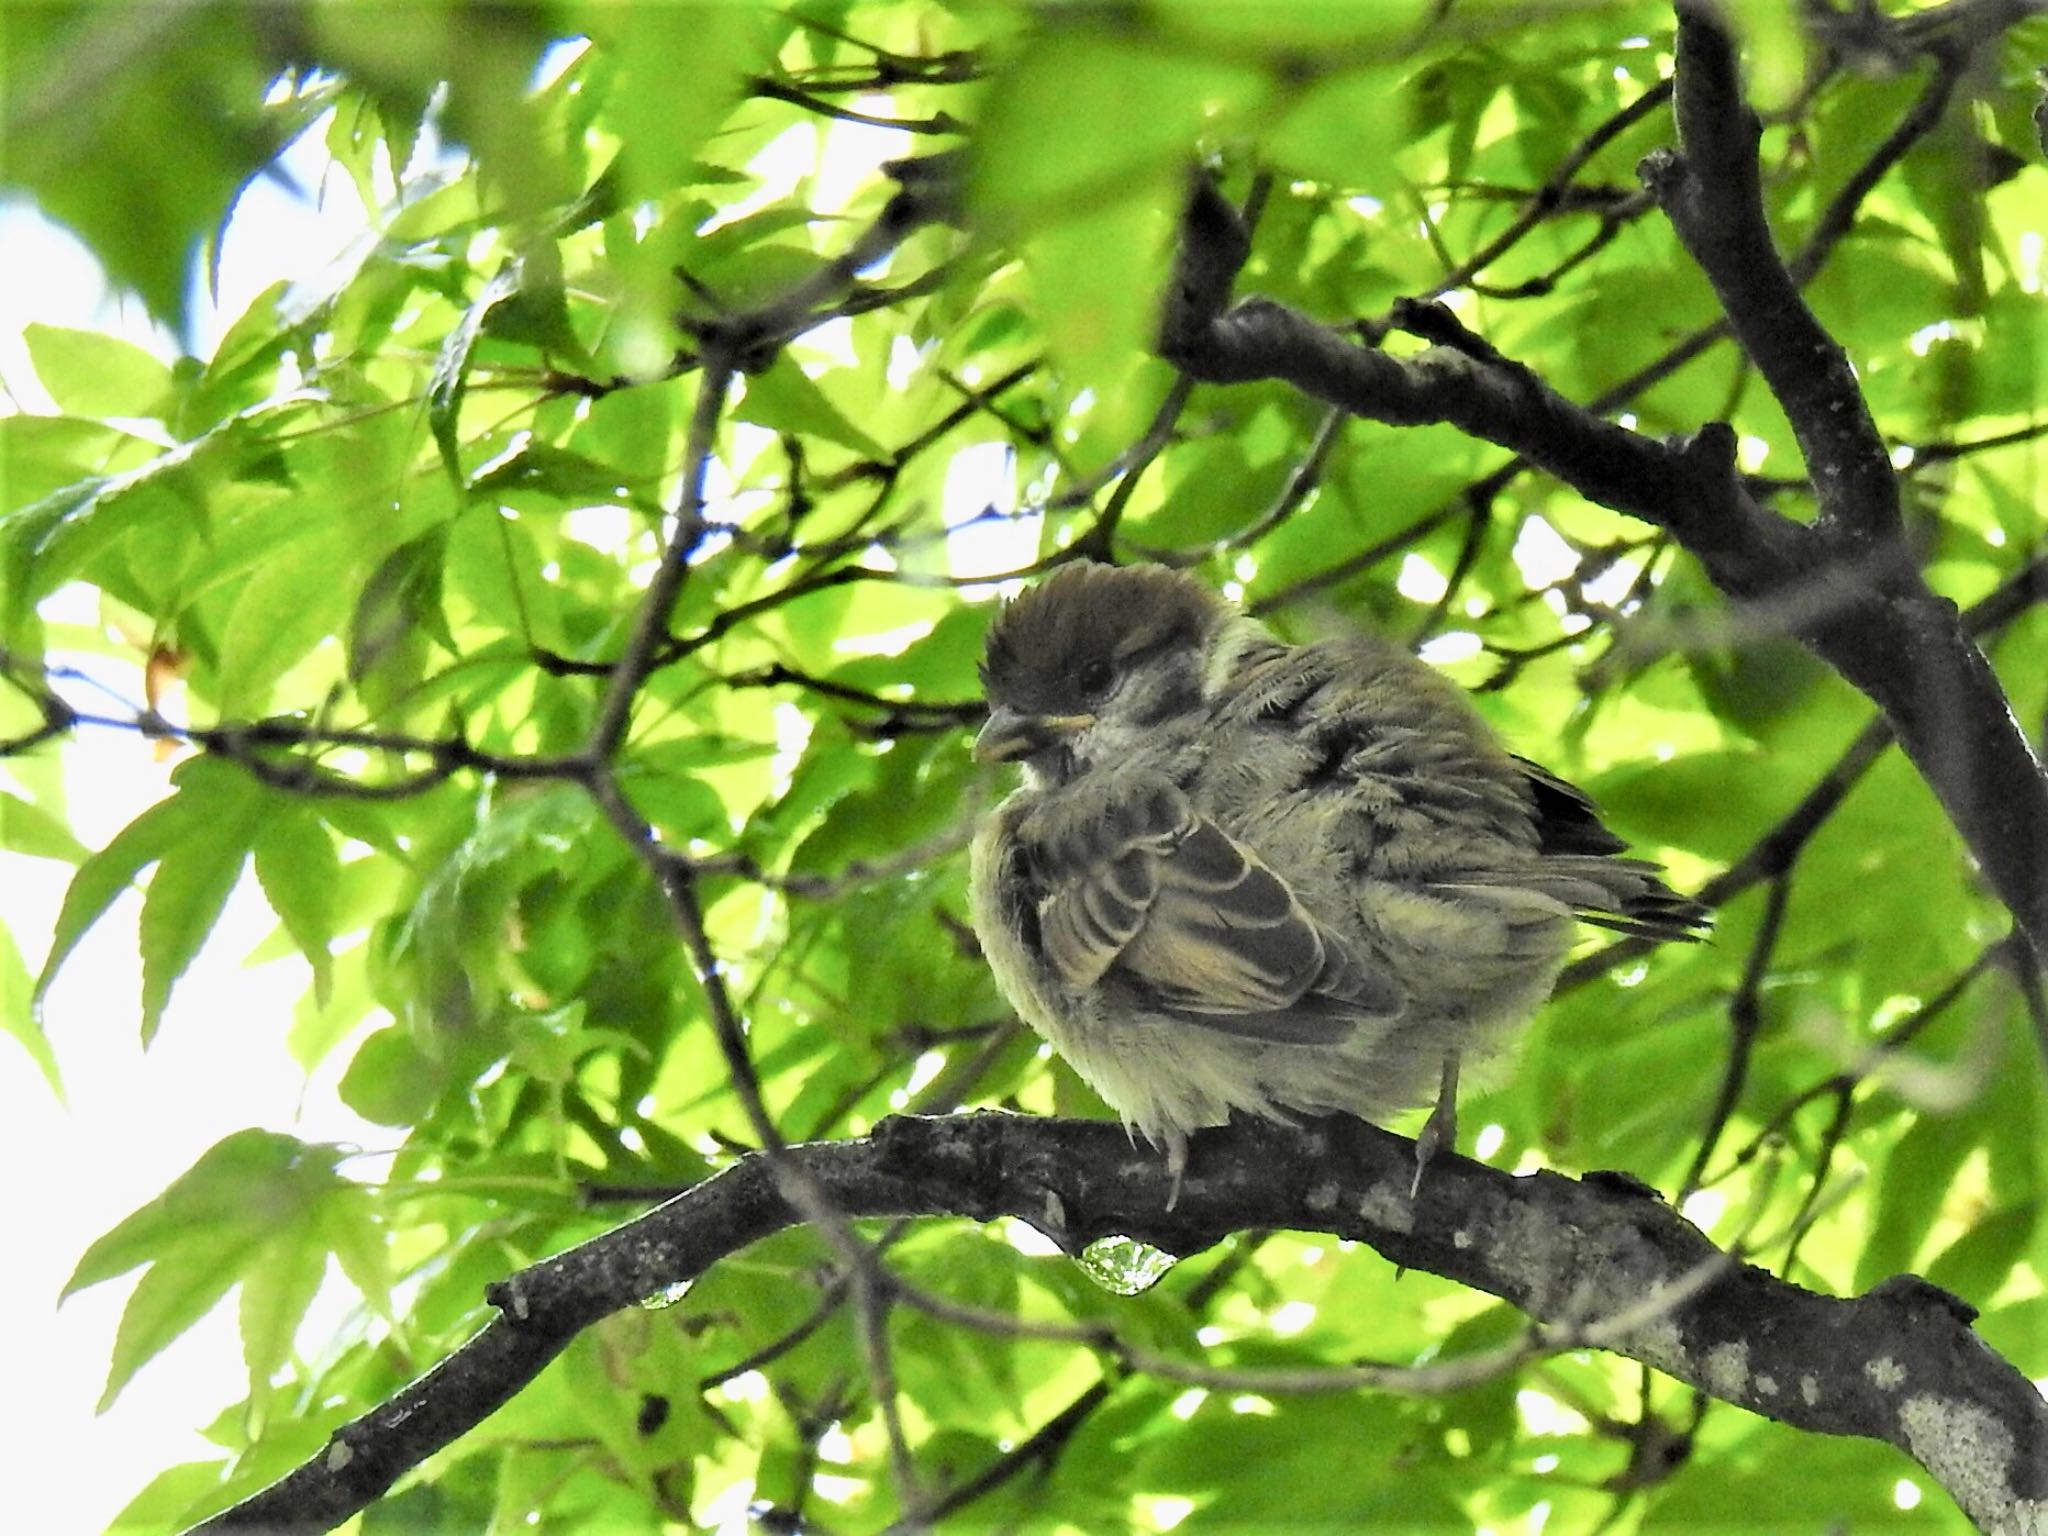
1287	880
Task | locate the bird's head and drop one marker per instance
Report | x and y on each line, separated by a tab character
1092	663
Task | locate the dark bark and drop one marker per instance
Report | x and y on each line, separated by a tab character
1845	585
1898	1364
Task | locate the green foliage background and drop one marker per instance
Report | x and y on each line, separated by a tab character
392	530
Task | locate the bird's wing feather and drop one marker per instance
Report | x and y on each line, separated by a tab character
1204	929
1567	821
1089	919
1225	934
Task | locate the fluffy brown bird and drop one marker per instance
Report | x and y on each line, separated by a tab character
1288	880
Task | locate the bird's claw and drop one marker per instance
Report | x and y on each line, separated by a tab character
1440	1131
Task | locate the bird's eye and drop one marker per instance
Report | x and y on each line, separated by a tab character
1095	677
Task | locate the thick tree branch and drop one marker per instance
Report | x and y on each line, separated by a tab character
1834	223
1844	586
1890	636
1689	488
1712	192
1898	1364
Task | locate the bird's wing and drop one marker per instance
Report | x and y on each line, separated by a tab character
1432	800
1167	904
1579	866
1567	821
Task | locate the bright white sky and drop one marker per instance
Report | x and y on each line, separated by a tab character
129	1123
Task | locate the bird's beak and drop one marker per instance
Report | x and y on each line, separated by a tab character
1011	734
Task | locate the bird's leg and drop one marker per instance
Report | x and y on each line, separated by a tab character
1176	1166
1440	1130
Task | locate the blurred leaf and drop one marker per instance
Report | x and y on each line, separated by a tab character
102	878
234	1216
392	1081
1266	1467
663	119
456	932
1343	130
299	873
1659	802
557	471
451	369
1807	1482
18	1016
1976	1264
89	374
1084	117
274	1299
1297	23
398	610
141	162
1946	173
223	810
1917	1177
1776	49
1099	276
52	539
784	398
1760	686
26	828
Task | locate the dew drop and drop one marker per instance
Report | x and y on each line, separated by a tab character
1123	1266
